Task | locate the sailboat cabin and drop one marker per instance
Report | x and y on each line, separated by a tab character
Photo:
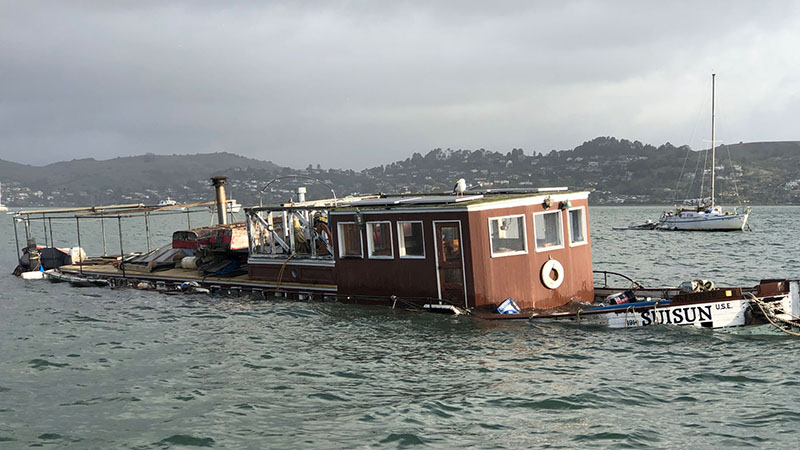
472	251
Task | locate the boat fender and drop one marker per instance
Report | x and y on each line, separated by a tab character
77	255
189	262
550	267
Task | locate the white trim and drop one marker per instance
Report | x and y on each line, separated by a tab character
371	245
401	245
482	205
560	231
583	226
527	201
436	258
524	230
339	240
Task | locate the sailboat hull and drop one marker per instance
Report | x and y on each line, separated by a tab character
701	221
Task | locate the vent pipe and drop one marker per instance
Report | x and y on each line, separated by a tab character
301	194
222	202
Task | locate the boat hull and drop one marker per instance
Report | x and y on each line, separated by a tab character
772	304
717	314
704	222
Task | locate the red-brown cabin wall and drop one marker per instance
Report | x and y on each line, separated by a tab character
292	272
489	280
519	276
397	276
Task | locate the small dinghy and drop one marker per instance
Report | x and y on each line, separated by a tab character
649	225
33	275
56	277
59	277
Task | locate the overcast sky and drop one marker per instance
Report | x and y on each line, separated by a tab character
355	84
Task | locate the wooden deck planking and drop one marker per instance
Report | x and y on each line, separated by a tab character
180	275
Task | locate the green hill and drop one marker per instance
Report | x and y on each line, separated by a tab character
617	171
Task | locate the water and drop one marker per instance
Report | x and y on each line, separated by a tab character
95	368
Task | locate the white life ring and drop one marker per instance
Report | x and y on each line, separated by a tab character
547	270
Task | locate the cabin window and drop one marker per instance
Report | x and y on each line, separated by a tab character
507	235
379	240
349	240
548	231
577	226
410	240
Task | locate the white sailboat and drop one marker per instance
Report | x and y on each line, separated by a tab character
167	202
2	206
705	214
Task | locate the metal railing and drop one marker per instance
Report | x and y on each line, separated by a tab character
280	232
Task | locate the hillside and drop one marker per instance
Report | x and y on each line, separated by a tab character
617	171
143	178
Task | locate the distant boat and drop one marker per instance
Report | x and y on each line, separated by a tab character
234	206
167	202
704	214
2	206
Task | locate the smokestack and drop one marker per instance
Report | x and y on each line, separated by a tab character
301	194
222	202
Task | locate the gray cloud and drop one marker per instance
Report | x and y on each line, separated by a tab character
356	84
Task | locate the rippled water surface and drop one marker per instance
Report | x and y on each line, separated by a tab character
96	368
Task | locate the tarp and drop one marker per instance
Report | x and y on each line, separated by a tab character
48	257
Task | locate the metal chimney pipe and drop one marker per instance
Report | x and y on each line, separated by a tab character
301	194
222	202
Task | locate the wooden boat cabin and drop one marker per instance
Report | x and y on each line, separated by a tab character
471	251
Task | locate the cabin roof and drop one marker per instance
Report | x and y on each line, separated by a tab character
430	201
436	201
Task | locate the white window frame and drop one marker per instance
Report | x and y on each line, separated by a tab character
560	230
370	245
340	240
583	226
401	244
524	237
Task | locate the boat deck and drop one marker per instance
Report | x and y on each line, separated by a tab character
175	277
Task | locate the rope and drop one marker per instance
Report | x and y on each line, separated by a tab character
680	177
280	274
694	178
703	173
633	313
655	316
735	187
769	316
756	299
686	158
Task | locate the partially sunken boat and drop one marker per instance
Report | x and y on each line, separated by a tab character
496	254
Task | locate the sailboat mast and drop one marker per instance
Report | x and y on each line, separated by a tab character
713	149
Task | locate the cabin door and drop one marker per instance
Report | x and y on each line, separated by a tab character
450	262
